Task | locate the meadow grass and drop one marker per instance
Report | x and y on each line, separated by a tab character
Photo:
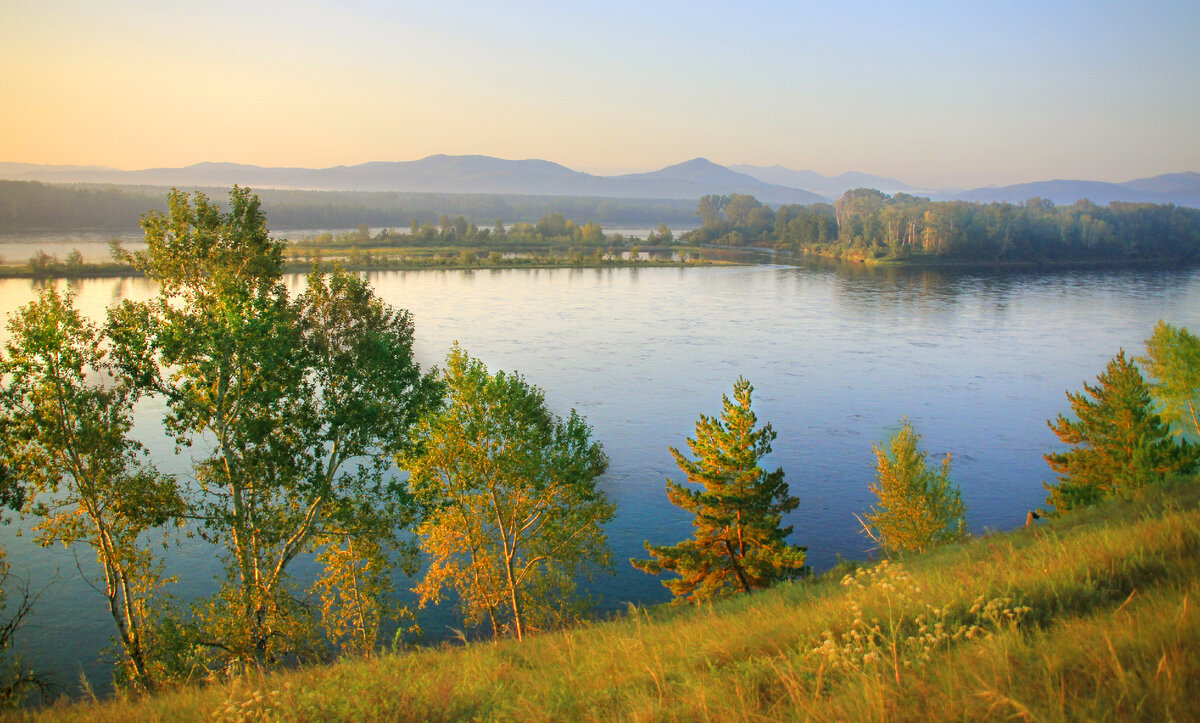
1092	617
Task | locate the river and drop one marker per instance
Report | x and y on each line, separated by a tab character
837	354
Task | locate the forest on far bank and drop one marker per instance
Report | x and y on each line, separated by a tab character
867	224
864	224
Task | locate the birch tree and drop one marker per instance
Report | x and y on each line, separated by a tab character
66	421
511	511
294	408
916	507
1172	362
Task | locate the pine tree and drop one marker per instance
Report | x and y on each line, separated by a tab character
1118	443
918	507
738	544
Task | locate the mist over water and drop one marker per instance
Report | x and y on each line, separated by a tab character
837	355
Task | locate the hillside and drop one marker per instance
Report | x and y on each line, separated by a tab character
1091	617
1181	189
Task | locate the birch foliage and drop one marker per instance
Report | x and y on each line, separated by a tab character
1172	362
66	419
293	407
917	508
511	511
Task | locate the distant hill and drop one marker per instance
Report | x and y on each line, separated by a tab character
685	180
828	186
437	174
46	207
1181	189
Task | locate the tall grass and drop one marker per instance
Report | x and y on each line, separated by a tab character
1091	617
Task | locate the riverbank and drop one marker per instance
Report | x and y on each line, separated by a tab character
1090	617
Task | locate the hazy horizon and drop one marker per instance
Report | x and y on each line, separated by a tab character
935	94
604	171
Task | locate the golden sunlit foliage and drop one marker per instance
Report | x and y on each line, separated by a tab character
508	490
67	415
916	507
738	544
1172	362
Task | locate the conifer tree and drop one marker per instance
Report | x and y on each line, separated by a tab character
918	507
1118	443
738	544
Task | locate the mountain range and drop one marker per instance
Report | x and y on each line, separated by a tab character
439	174
688	180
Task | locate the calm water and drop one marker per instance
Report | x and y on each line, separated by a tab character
978	363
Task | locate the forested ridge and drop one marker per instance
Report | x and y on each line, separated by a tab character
867	224
34	206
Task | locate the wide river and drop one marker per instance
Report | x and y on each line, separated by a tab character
837	355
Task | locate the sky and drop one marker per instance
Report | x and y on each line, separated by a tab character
936	94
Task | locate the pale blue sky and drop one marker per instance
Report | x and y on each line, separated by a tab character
937	94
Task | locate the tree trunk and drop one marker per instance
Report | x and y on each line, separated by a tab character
509	554
120	606
516	602
737	568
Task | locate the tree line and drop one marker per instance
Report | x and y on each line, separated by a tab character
33	206
552	229
457	231
300	410
866	223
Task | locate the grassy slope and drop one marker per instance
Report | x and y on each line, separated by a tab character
1094	617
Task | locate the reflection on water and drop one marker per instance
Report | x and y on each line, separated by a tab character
978	362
